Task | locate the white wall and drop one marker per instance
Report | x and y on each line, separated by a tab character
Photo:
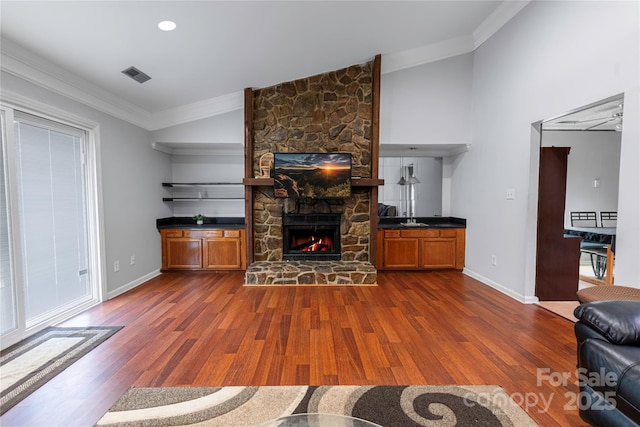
550	58
593	155
213	142
212	168
427	104
225	128
132	195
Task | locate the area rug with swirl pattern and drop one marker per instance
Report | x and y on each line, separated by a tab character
387	406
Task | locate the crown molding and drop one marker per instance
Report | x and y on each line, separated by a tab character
198	110
457	46
18	61
495	21
425	54
23	64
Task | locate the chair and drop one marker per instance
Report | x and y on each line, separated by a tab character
608	219
584	219
608	338
386	210
597	251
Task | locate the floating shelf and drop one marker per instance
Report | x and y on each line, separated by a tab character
201	196
197	199
198	184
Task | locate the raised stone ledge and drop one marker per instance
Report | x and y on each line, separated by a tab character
311	273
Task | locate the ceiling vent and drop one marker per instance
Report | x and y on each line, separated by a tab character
136	74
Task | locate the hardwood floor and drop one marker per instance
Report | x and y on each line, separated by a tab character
206	329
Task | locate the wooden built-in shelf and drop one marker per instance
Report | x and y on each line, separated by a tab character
258	182
366	182
198	184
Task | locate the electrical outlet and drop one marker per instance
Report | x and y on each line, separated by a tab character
133	259
116	266
494	260
511	193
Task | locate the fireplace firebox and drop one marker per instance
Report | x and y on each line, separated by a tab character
312	237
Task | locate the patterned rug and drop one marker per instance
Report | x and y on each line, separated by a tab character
387	406
29	364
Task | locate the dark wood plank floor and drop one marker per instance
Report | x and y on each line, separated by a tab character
206	329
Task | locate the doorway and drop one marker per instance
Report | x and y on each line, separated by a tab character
591	136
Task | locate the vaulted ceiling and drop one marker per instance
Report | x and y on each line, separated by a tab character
221	47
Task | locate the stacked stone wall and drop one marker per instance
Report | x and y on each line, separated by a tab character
327	113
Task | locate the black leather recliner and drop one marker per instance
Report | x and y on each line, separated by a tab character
608	336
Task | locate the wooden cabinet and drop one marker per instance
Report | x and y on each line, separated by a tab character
223	250
421	249
557	257
180	250
400	252
189	249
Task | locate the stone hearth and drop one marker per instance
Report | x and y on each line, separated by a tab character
311	273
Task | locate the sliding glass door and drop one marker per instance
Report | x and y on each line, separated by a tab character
8	314
51	248
52	210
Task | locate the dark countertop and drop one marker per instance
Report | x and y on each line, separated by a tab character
209	223
427	222
383	223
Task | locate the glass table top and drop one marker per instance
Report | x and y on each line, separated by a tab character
317	420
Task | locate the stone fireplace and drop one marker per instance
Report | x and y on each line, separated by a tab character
328	113
331	112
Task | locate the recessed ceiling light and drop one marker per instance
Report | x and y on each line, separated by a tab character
167	25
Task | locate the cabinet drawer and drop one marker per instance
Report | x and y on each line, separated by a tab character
449	232
201	233
421	233
391	233
172	233
193	233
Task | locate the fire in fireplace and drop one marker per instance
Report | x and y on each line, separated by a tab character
313	237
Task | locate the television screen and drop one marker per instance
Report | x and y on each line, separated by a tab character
312	175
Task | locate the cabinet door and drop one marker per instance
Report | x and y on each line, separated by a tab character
183	253
438	253
224	252
401	254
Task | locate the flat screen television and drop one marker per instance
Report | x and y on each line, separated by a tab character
312	175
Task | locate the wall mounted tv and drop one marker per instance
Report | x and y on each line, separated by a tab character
312	175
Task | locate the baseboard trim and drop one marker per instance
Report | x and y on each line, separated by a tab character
122	289
509	292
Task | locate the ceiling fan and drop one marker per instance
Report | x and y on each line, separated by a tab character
612	113
603	116
615	116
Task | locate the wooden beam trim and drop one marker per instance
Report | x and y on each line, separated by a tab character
248	172
375	159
